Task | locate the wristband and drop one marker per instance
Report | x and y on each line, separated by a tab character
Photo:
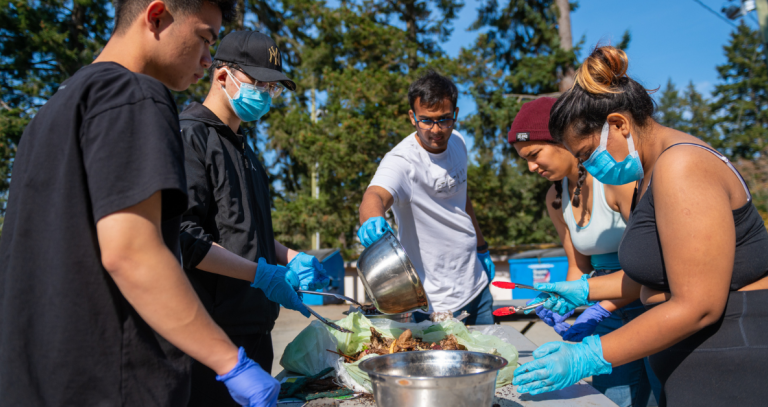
482	248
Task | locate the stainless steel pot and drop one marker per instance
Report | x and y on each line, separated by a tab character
434	378
389	277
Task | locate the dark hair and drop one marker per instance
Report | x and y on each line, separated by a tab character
432	88
219	64
127	10
576	199
601	87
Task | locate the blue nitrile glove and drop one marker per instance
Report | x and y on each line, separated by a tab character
372	230
488	266
550	318
572	294
271	279
558	365
586	323
306	273
249	384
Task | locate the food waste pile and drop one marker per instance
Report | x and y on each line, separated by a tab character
381	345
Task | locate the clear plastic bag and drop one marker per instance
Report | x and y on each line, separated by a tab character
349	344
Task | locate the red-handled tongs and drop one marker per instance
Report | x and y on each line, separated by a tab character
509	286
513	310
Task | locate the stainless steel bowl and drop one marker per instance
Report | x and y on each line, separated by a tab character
389	277
404	317
434	378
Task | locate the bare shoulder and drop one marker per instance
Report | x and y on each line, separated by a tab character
691	171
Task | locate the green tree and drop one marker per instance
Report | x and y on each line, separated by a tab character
741	97
517	55
360	67
41	45
690	112
669	110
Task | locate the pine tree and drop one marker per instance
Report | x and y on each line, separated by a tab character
41	45
669	110
360	66
741	99
517	54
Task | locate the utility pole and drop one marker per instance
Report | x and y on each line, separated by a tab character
762	18
315	175
566	42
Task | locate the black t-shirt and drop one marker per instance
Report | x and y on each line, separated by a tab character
107	140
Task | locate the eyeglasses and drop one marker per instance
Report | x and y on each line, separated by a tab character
428	124
274	89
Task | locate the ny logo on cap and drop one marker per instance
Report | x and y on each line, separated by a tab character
522	136
274	53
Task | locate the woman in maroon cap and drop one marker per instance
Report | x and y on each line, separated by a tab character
590	234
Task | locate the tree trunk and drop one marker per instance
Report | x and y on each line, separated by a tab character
76	29
566	42
239	22
412	29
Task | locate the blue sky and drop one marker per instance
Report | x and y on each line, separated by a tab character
677	39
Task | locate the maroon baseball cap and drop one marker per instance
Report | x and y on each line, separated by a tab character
532	122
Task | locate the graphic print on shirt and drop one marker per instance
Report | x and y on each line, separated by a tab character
450	183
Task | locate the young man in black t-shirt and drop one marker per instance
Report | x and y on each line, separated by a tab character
95	308
228	225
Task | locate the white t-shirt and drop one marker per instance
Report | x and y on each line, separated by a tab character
430	196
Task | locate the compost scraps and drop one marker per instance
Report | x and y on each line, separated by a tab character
405	343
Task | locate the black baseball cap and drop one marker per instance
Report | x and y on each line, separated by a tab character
257	55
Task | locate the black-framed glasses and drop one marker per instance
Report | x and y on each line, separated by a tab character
428	124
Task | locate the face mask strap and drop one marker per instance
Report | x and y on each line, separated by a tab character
631	144
239	84
604	135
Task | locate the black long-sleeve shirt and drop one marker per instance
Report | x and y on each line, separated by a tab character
229	204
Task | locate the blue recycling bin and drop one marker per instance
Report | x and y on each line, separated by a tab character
537	266
333	264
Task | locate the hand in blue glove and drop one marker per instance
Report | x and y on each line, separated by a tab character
552	319
271	279
249	384
372	230
572	294
586	323
558	365
306	273
488	266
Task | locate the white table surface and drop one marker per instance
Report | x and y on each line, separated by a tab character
581	394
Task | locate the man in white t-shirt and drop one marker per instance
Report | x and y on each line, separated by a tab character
424	180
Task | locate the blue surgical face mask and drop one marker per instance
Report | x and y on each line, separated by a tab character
605	168
248	103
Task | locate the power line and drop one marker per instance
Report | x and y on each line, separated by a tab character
716	13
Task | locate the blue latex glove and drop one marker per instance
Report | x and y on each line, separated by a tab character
550	318
586	323
488	266
271	279
572	294
558	365
372	230
306	273
249	384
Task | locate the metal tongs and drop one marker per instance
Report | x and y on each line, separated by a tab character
513	310
327	322
339	296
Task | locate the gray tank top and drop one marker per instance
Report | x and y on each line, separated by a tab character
600	238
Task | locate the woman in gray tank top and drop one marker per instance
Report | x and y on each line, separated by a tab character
590	219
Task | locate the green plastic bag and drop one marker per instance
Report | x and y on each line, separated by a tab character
350	344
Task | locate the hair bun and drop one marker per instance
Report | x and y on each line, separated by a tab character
601	71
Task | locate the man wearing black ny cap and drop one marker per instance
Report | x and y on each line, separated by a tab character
228	246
